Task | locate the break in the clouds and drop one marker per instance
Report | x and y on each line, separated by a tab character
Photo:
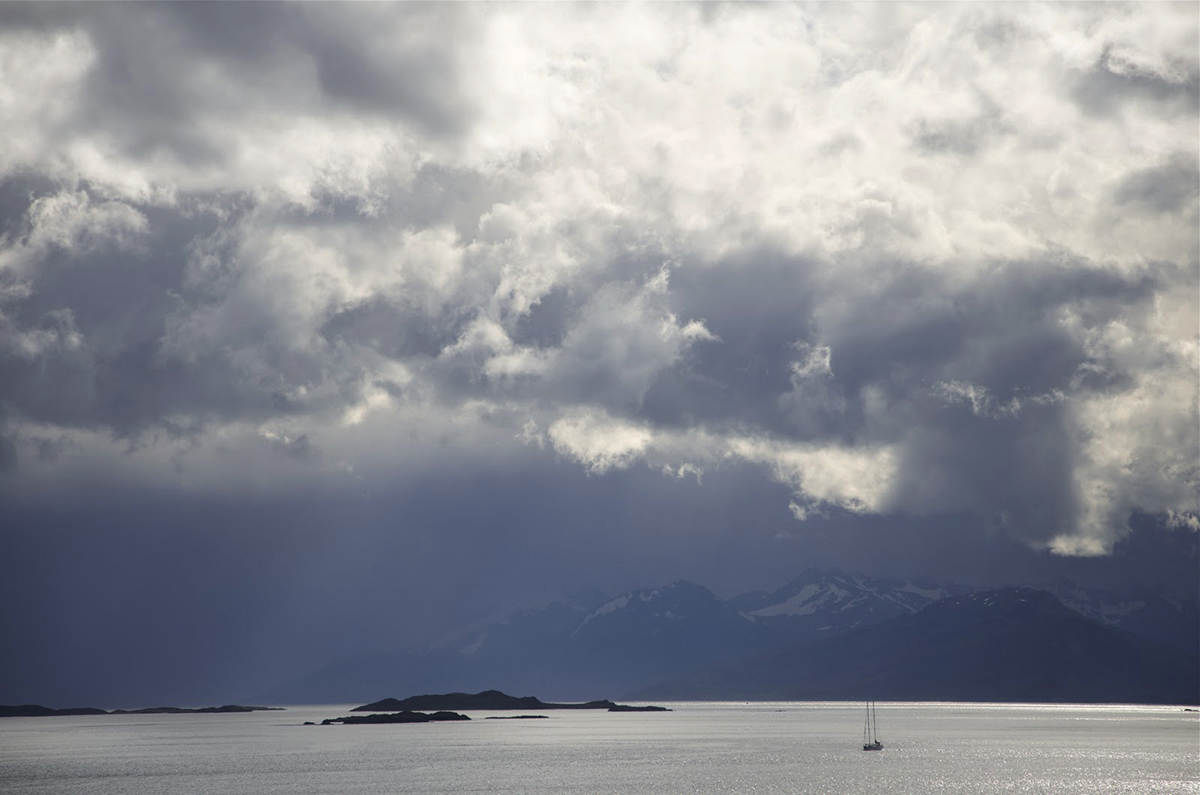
903	259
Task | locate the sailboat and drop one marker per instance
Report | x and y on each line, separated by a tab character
871	731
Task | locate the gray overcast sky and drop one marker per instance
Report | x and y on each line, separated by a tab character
324	325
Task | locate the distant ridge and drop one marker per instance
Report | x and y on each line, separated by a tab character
489	700
1008	645
571	650
38	711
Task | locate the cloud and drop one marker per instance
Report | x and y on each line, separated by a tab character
815	402
598	442
855	479
902	260
1167	188
1125	74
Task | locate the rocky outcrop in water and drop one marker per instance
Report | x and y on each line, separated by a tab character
407	716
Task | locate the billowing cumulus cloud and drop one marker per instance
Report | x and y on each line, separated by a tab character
902	260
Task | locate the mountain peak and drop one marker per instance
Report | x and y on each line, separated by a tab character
1009	644
1011	602
680	599
824	599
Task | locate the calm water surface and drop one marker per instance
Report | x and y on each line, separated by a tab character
697	748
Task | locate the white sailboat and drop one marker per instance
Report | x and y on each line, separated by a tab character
871	731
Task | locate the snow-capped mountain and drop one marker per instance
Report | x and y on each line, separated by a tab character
826	602
830	602
1138	610
679	607
1008	644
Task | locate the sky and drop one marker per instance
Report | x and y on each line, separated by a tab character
329	327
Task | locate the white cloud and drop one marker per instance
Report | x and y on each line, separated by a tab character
39	84
74	222
984	404
597	441
1137	451
854	479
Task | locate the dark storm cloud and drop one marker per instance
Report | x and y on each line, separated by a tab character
902	331
162	75
395	331
382	317
1007	458
103	308
1002	331
1006	455
502	279
1167	188
99	311
298	449
8	453
758	320
49	450
1013	474
546	323
1112	82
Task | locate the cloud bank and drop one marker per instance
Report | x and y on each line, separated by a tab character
905	260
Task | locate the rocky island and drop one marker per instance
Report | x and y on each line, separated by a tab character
406	716
192	711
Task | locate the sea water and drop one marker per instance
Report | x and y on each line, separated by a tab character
786	747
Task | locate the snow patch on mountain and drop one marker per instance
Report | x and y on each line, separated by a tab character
932	594
603	610
805	602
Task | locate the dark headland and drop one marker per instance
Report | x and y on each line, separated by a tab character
492	700
38	711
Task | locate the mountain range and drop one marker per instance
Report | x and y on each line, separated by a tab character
681	638
1012	644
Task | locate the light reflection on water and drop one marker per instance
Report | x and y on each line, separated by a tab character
697	748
